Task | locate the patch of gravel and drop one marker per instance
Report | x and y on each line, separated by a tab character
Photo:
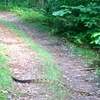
81	81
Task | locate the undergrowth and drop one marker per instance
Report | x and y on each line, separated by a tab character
5	79
29	15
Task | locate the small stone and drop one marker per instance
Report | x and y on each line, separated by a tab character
98	92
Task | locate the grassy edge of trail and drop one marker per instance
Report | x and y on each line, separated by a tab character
51	70
5	79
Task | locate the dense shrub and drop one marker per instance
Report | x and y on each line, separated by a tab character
79	22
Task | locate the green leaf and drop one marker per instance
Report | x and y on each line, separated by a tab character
96	34
97	41
61	12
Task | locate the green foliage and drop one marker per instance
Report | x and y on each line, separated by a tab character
29	15
2	96
5	79
95	38
78	21
98	72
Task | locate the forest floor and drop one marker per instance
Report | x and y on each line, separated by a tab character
31	61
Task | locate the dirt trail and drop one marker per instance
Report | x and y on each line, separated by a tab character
24	64
23	60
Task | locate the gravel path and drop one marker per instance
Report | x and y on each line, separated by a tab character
74	68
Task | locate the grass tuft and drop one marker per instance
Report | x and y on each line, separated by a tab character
5	79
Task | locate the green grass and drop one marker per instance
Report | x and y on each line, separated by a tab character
2	96
29	15
5	79
2	7
32	17
84	52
